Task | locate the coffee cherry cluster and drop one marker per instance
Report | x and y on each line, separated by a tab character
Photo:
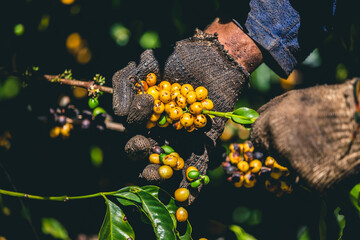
168	158
175	104
243	165
193	176
66	116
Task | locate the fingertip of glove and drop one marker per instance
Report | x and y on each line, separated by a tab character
140	110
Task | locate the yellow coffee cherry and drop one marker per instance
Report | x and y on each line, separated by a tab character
236	147
165	172
281	168
154	158
240	182
201	93
54	132
235	157
187	119
181	214
175	86
169	106
175	154
170	160
165	85
186	88
190	128
165	96
154	117
243	166
285	187
200	121
153	92
191	97
269	162
275	173
255	166
175	113
168	119
150	124
179	164
180	100
177	125
181	194
174	94
144	85
248	146
151	79
159	107
207	104
196	108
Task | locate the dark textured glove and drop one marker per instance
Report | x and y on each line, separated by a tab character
200	60
314	132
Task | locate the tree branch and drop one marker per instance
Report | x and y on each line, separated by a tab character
84	84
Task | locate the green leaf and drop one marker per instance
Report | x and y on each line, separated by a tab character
115	225
246	112
240	233
153	190
159	215
187	235
240	120
54	228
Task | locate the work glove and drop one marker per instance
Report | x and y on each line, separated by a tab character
314	132
199	61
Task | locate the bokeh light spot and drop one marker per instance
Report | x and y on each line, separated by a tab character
73	41
96	155
84	56
150	39
120	34
67	2
19	29
44	22
10	88
341	72
79	92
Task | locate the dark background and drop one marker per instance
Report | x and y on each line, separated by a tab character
41	165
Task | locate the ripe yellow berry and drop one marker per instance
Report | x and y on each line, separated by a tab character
196	108
168	119
154	117
201	93
165	96
153	92
154	158
151	79
181	214
150	124
175	86
235	157
187	119
248	146
190	128
200	121
169	106
175	113
175	154
191	97
181	194
180	100
174	94
163	125
255	166
144	85
243	166
159	107
275	173
269	162
186	88
180	164
207	104
177	125
165	172
165	85
240	182
54	132
170	160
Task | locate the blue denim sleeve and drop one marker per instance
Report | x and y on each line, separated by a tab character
287	29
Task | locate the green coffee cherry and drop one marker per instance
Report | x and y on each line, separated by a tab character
98	110
193	174
161	157
162	120
195	183
93	103
206	179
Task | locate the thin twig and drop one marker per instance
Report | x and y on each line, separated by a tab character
78	83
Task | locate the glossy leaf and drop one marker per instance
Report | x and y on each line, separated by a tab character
240	233
115	225
159	216
187	235
246	112
240	120
54	228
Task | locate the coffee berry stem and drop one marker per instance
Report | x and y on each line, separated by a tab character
224	114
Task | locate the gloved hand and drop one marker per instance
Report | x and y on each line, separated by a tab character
314	132
200	61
